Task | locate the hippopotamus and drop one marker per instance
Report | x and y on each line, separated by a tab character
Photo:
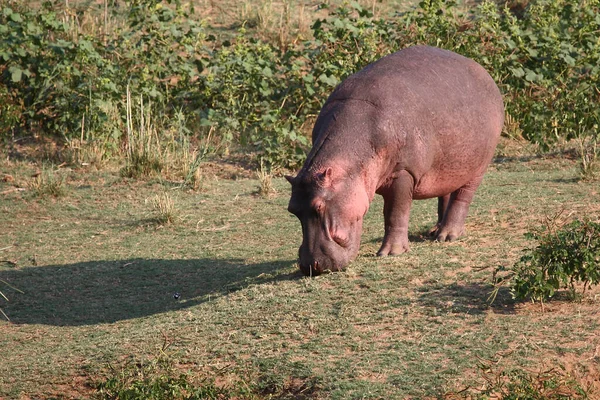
416	124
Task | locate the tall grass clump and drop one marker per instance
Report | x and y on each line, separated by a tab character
47	182
589	158
143	147
265	178
164	209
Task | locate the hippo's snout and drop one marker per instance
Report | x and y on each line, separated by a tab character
317	263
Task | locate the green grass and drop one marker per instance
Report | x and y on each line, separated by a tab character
99	275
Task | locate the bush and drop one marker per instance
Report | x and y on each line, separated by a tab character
60	80
563	257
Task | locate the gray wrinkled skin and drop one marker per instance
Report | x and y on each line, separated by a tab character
419	123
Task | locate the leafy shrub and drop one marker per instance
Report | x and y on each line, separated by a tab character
60	80
242	95
64	79
562	258
41	66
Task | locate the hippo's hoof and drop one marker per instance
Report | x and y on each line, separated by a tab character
448	235
393	249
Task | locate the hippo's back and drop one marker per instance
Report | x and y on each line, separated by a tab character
420	74
439	114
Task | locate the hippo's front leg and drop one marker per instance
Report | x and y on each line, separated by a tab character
397	199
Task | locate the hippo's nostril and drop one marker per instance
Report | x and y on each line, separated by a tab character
314	267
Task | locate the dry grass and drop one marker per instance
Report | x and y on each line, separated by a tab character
47	182
589	155
164	209
265	179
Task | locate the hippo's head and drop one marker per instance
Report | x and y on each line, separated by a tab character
330	207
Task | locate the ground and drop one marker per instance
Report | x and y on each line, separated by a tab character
99	276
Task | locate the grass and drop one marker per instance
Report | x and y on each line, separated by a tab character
164	208
265	179
47	182
99	281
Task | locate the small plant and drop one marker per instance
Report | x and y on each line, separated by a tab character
164	208
193	173
552	384
589	153
47	183
265	177
84	153
565	255
154	379
512	128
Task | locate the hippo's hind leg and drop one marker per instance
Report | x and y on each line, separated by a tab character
442	206
454	209
397	199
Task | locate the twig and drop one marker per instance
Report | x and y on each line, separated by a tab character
5	316
7	247
13	263
13	190
221	228
11	286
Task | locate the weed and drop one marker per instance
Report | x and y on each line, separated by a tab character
153	379
47	182
589	153
265	178
164	208
83	153
193	174
552	384
512	128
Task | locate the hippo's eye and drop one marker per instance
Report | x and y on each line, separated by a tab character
319	206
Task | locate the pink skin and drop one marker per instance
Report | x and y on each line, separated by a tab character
331	218
417	124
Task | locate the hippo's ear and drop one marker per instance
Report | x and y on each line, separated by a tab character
324	178
290	179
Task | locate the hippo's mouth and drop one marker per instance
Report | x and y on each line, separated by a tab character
316	269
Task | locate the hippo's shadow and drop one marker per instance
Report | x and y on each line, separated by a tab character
96	292
470	298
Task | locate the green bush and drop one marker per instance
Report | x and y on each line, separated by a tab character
60	80
562	258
